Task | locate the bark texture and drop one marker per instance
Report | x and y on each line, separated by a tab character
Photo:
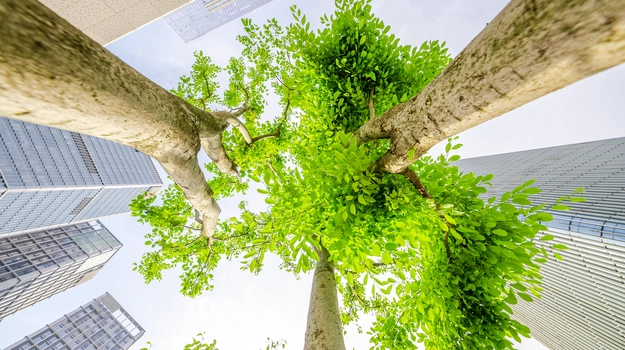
533	47
324	330
52	74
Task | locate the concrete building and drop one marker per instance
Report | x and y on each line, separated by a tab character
99	325
35	266
202	16
107	20
583	305
51	177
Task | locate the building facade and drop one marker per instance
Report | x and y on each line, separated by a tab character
99	325
35	266
583	305
51	177
108	20
202	16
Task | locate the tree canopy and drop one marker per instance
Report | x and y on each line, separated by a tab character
421	249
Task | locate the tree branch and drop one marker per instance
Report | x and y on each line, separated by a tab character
414	180
242	128
526	52
208	91
198	217
279	128
214	148
274	171
370	105
53	74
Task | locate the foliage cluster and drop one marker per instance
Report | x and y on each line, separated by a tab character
435	264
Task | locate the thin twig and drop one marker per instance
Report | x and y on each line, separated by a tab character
279	128
414	180
282	82
370	104
275	172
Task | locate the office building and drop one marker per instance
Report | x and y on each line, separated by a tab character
107	20
35	266
51	177
583	305
202	16
99	325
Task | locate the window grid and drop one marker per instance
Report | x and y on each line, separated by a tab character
100	324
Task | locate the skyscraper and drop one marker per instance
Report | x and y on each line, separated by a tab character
107	20
201	16
51	177
99	325
583	305
35	266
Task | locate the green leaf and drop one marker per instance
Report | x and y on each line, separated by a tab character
361	200
526	297
560	207
511	299
363	39
352	209
500	232
560	247
558	256
521	201
386	258
547	237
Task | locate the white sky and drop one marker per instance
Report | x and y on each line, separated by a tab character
244	309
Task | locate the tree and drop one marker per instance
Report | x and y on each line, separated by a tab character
451	260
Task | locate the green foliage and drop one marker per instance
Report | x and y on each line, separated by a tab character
442	271
354	58
198	343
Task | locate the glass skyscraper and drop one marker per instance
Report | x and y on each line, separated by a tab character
35	266
583	305
51	177
201	16
99	325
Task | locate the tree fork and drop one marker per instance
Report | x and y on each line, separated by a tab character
53	74
532	48
324	330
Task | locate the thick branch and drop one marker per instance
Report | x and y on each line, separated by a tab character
52	74
242	128
533	47
214	148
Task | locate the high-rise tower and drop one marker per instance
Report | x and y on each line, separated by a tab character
51	177
99	325
35	266
583	305
201	16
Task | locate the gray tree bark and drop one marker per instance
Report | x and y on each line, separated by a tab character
533	47
52	74
324	330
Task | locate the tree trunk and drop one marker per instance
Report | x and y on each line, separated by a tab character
533	47
52	74
324	330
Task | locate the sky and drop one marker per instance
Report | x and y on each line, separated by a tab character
244	310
